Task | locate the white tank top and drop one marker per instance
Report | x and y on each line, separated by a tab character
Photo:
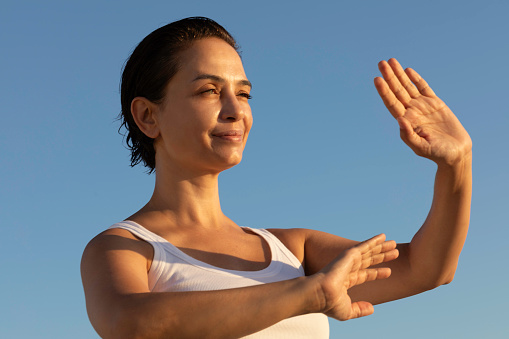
174	271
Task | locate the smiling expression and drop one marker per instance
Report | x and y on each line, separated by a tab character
205	118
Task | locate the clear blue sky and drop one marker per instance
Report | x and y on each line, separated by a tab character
323	153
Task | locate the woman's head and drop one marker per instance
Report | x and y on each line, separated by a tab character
151	66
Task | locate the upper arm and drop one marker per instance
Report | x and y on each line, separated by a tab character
403	281
314	249
322	247
114	264
317	249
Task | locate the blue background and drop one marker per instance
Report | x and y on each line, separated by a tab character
324	153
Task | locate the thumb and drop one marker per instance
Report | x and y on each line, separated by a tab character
361	309
407	133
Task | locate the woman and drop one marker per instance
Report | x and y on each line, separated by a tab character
180	268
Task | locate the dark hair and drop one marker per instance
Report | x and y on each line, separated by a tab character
150	67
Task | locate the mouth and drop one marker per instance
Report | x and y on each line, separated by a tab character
230	135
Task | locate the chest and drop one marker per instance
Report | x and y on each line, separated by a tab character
242	251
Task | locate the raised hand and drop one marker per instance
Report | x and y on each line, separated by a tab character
351	268
427	125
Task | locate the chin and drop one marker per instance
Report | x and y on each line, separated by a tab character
229	162
235	162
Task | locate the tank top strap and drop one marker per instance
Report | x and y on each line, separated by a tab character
139	231
158	244
273	240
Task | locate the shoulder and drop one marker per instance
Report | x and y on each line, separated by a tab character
114	264
117	243
117	239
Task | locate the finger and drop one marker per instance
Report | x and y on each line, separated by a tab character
373	251
389	245
420	83
367	245
403	78
361	309
385	246
370	274
388	73
379	258
408	135
395	107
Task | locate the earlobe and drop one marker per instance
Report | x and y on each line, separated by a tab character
143	111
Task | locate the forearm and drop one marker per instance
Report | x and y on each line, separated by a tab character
435	249
214	314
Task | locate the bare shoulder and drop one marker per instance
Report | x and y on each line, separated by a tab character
112	236
114	265
116	258
117	239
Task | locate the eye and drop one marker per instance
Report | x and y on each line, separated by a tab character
245	95
210	91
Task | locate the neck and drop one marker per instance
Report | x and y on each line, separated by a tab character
191	201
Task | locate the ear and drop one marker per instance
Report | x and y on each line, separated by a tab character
143	111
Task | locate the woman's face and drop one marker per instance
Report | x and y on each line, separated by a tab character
205	118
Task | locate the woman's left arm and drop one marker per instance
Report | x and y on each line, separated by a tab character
432	131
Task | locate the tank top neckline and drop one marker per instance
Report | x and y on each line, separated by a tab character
270	269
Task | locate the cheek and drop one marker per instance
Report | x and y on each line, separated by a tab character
248	121
191	119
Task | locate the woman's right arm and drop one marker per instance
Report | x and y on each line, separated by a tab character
120	305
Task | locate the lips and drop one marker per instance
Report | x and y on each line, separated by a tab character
231	135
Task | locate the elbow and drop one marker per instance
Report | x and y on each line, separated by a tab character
437	275
439	280
447	279
446	276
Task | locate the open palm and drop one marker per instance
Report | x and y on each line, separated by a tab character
427	125
351	268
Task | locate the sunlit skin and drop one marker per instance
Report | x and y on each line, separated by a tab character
204	121
200	129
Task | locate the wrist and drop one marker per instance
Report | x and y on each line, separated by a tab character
456	176
462	162
316	300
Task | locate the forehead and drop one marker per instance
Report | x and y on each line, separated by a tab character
211	56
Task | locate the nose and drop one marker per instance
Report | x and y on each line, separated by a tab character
231	109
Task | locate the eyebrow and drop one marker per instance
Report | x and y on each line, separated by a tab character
221	80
